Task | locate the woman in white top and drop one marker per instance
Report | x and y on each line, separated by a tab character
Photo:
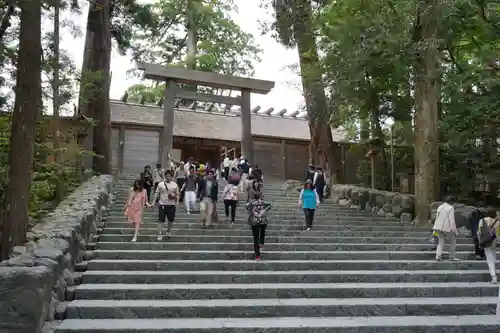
444	225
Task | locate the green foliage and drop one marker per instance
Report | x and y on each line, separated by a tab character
368	57
223	47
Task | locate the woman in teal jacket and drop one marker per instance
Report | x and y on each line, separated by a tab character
308	201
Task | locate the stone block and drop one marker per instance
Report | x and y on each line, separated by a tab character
33	281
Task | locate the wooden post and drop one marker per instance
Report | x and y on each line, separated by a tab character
160	151
246	126
168	124
283	158
121	149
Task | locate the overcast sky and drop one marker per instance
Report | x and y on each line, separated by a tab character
275	59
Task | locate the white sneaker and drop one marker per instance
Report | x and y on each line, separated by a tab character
188	213
159	238
494	280
134	239
308	229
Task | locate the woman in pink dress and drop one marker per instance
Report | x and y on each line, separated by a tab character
134	207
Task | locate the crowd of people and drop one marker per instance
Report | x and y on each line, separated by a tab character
197	186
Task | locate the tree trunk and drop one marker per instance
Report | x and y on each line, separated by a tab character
56	102
14	214
322	149
85	92
427	95
99	65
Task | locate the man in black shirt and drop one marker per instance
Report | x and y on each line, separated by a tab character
147	180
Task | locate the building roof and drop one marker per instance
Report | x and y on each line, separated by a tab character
214	125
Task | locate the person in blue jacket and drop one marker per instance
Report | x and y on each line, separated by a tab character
308	201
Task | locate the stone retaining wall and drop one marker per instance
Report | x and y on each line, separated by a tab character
34	280
390	204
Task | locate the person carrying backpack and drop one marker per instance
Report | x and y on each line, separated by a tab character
487	233
257	219
473	223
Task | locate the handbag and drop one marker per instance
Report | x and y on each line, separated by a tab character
488	234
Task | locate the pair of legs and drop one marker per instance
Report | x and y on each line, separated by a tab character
230	205
148	189
190	201
491	258
259	234
180	181
207	212
226	173
165	212
309	215
319	191
440	247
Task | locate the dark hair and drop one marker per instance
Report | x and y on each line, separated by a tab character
168	173
146	166
308	183
449	199
209	172
234	169
158	165
480	204
191	167
491	212
138	185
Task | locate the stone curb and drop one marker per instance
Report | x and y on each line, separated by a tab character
33	281
390	204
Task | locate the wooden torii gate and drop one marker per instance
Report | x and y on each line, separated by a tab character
174	75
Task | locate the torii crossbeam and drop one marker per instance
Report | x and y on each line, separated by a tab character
174	75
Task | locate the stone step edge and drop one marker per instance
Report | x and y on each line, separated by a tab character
290	272
269	244
239	261
354	252
340	286
164	325
282	302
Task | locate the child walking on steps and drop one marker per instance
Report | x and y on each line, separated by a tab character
257	218
134	207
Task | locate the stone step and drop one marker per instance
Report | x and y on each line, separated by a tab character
278	265
423	246
177	236
283	290
290	219
245	230
241	223
379	324
291	213
452	274
266	255
294	307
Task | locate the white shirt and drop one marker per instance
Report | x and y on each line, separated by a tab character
445	219
234	163
227	162
158	175
162	193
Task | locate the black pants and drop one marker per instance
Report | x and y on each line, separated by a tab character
180	182
167	212
226	173
259	234
148	189
230	204
319	190
309	215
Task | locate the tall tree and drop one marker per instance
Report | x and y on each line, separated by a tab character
28	104
295	27
427	70
56	100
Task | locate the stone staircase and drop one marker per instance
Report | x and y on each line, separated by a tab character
352	273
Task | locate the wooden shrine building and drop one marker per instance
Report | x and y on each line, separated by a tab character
150	134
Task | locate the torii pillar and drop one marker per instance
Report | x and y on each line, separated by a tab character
175	75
